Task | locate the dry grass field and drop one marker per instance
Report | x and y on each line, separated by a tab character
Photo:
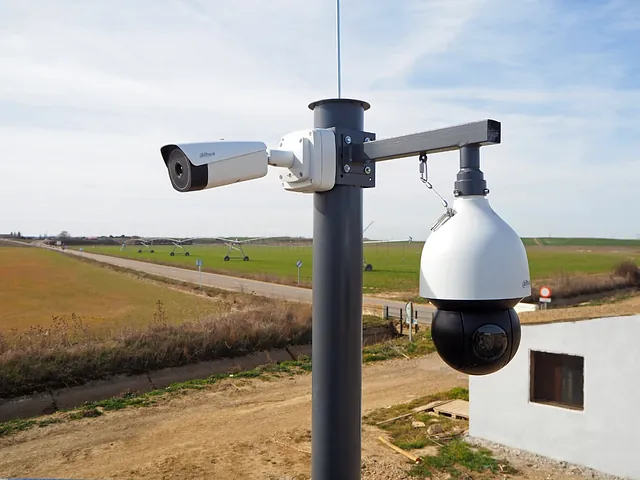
66	320
37	285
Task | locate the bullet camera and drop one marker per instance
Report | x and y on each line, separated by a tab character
199	166
305	158
474	270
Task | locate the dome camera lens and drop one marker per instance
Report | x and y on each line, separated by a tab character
489	342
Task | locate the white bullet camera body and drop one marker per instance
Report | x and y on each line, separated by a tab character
199	166
306	158
474	270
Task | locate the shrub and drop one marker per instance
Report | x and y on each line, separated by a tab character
70	354
625	275
629	271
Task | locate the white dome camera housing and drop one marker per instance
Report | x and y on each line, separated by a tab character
474	270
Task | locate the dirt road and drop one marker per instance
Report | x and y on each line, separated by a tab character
238	284
225	432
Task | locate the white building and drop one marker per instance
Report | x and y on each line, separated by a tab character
571	393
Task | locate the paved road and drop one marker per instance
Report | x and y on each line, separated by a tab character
245	285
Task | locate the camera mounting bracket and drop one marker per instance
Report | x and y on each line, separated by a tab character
467	138
352	167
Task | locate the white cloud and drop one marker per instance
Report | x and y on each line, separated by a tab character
89	91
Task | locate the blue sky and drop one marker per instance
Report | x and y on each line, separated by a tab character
89	91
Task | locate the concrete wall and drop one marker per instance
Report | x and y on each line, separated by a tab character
604	436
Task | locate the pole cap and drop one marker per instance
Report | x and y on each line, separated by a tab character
365	106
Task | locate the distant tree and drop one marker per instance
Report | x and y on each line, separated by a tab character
19	234
64	234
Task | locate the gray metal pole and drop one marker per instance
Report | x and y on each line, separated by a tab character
337	314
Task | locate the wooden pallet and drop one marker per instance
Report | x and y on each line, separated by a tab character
456	409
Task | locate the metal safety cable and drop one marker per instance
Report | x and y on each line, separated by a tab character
424	177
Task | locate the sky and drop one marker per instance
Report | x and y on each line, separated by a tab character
90	91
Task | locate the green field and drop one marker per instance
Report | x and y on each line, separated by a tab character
395	266
581	242
38	284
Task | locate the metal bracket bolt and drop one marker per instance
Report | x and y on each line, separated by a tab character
347	168
367	170
347	140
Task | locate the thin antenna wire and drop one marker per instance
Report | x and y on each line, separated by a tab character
338	45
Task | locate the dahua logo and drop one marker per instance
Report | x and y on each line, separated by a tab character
207	154
526	283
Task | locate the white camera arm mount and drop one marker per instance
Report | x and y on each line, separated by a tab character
307	159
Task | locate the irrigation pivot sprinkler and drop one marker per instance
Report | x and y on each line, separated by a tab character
473	268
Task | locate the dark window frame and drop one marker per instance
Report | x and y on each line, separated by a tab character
556	379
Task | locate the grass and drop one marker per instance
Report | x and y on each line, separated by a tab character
376	416
395	266
581	242
72	354
67	352
461	461
153	398
400	348
67	321
38	286
616	284
278	263
454	456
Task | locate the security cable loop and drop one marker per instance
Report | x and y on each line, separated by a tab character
424	177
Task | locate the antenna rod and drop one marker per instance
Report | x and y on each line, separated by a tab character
338	45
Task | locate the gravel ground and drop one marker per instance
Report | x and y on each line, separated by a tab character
522	458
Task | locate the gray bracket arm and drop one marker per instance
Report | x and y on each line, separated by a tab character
468	138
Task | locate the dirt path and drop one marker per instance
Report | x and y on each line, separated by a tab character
225	432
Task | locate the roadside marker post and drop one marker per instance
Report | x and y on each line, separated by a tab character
408	308
299	265
199	265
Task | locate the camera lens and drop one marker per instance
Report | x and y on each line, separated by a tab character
489	342
178	167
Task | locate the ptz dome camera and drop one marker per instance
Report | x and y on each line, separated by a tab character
474	270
